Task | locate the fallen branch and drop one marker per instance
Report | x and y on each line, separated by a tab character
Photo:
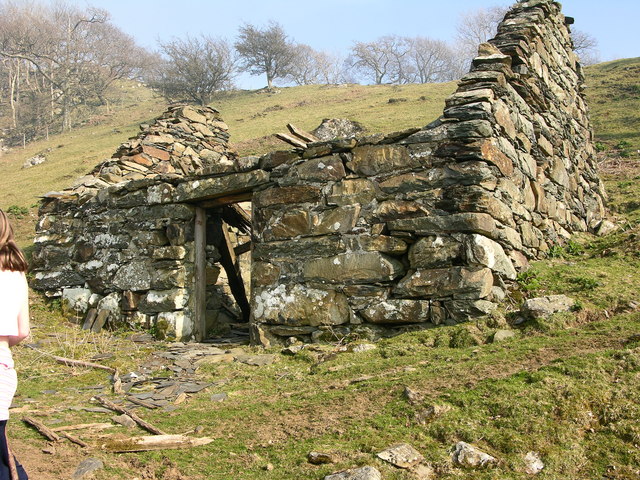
42	429
83	426
74	439
73	363
117	408
157	442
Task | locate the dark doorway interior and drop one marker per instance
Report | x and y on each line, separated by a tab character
220	223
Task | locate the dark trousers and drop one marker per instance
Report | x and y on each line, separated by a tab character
5	465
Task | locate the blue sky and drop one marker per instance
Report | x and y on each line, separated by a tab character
333	25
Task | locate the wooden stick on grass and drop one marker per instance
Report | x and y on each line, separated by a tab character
83	426
42	429
158	442
117	408
73	363
74	439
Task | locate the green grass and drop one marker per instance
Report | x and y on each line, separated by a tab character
252	115
569	394
613	95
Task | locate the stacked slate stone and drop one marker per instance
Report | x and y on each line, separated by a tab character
116	247
185	141
369	235
386	233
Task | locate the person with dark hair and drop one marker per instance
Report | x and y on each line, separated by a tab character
14	327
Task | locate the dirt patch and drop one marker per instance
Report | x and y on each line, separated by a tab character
60	463
63	459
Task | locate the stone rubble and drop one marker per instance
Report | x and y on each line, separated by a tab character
33	161
429	413
468	456
331	128
87	467
401	455
145	387
544	307
533	463
320	458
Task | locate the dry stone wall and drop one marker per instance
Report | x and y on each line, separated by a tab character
427	227
370	235
119	244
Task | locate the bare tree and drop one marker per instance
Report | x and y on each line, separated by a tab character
304	66
473	28
76	54
194	69
586	47
460	62
478	26
265	51
431	59
310	66
330	67
383	60
114	55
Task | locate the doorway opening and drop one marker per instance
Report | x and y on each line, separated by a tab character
223	271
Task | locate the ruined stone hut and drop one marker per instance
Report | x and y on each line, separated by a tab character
373	235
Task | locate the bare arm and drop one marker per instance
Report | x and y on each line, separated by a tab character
23	319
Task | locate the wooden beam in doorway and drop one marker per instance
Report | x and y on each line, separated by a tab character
200	291
244	248
230	263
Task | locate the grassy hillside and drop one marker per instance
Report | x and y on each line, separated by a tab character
565	388
613	94
253	115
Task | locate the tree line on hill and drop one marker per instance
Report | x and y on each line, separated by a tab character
60	62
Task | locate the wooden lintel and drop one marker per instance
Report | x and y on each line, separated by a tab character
302	134
226	200
291	140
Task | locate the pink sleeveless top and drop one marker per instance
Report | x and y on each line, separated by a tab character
13	295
